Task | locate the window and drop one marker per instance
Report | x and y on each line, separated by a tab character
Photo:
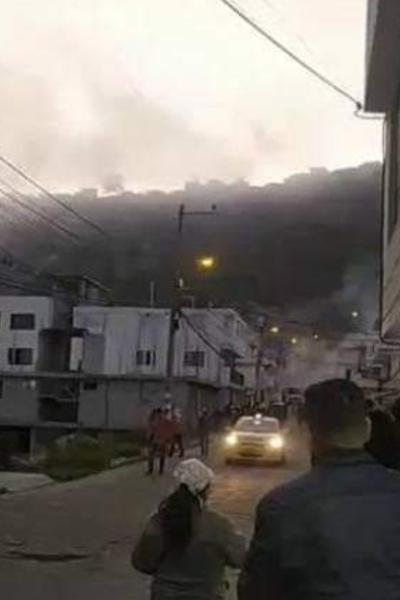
90	385
145	358
194	358
20	356
23	321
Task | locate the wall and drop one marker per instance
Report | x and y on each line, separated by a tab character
373	7
391	257
42	308
18	403
128	404
120	331
115	334
113	404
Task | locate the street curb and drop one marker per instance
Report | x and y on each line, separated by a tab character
128	462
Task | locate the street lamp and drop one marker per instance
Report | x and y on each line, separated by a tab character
355	314
274	329
179	285
316	336
294	341
206	263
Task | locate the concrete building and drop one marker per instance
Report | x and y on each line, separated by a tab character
134	341
64	368
123	347
32	334
382	95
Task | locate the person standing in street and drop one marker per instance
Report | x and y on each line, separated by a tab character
185	546
160	435
177	434
203	428
334	532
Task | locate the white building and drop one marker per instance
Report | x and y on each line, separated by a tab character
134	341
103	367
382	96
29	327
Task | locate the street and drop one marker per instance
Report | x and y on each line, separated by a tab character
72	541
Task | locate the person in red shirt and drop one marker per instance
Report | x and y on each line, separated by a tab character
159	437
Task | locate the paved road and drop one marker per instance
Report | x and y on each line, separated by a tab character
72	541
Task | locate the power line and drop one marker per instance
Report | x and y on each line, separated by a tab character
4	281
26	204
201	336
39	214
52	197
22	286
261	31
285	20
32	221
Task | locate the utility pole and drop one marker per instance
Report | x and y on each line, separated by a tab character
259	360
152	293
178	287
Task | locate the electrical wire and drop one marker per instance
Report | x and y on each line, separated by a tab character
40	215
201	335
25	287
311	70
52	197
26	200
5	281
283	18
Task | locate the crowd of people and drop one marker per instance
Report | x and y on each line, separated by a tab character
166	435
166	430
332	533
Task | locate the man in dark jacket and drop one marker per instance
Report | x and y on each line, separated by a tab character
384	442
335	532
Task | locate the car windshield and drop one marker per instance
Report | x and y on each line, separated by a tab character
257	425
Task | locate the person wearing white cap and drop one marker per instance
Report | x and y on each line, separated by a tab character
186	546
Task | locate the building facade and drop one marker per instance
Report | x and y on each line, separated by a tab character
209	344
31	328
382	95
99	367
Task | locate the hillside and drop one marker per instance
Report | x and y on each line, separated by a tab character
309	244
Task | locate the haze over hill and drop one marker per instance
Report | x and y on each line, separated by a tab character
309	245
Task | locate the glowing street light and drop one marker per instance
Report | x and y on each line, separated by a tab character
274	329
355	314
316	336
294	341
206	262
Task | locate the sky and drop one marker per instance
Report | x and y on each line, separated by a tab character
161	92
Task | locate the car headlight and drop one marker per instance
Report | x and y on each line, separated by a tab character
231	439
276	442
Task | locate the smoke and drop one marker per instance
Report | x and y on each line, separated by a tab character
74	114
95	129
313	361
360	292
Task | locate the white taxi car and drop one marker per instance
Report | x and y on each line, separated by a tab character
255	438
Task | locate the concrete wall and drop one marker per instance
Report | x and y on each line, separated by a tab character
115	405
45	316
18	403
115	334
127	404
121	331
391	297
382	95
391	239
